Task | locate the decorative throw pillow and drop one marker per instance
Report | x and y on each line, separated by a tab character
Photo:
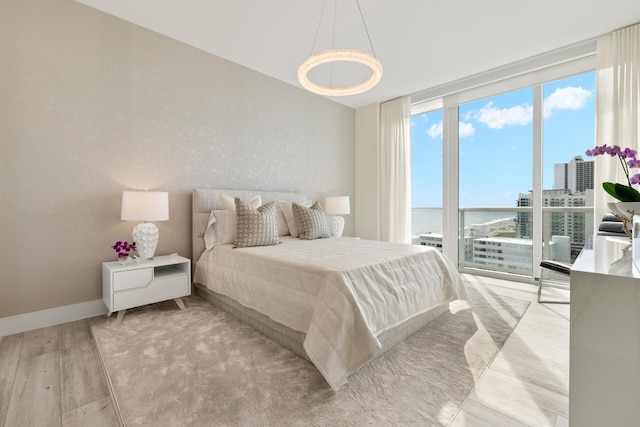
256	227
312	222
221	227
287	210
228	203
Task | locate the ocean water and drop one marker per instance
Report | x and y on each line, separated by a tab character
425	220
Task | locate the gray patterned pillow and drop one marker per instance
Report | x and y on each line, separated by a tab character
312	222
256	227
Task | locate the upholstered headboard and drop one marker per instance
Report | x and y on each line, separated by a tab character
206	199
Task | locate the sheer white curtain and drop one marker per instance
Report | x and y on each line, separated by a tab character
617	106
395	171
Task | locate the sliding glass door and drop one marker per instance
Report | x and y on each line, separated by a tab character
426	178
568	175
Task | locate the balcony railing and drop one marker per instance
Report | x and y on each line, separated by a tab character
506	243
499	239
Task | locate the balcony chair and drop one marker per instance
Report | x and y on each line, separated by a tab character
558	267
610	226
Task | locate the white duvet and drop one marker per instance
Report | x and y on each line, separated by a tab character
341	292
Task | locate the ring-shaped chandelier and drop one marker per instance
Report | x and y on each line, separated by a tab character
340	55
334	55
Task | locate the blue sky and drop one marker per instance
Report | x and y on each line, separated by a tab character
496	137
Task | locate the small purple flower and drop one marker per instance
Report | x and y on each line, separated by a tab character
628	153
613	151
597	150
123	248
635	179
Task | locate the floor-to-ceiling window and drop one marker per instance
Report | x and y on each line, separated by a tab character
568	175
426	178
523	187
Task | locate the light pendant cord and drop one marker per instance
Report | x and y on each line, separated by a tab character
315	39
366	30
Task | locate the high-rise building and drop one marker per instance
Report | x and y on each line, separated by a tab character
573	186
575	176
571	224
524	220
561	176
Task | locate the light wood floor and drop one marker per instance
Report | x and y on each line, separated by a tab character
53	377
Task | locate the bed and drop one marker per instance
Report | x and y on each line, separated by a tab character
337	302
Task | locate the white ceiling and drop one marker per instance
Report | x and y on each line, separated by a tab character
420	43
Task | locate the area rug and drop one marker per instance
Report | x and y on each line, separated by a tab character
200	366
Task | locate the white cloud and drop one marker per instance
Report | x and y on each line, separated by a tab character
466	130
497	118
435	131
567	98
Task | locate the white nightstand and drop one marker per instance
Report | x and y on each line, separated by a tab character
136	284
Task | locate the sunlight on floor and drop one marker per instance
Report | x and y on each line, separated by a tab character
527	383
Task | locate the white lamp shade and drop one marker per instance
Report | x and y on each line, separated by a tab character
338	205
145	206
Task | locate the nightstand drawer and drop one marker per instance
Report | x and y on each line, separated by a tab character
158	290
132	279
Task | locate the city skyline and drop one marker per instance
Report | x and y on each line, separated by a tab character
497	131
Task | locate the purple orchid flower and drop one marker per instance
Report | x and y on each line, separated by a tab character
124	248
615	151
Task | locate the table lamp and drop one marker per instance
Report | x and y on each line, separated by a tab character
338	205
145	206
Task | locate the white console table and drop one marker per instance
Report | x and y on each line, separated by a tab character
604	372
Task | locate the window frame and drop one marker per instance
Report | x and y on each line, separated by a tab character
532	72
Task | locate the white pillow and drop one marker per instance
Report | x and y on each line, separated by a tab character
210	238
228	203
287	210
283	228
225	226
221	228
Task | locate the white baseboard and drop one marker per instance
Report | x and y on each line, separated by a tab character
53	316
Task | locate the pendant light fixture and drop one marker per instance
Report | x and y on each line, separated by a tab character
336	55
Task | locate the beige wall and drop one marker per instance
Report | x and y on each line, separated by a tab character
367	124
91	105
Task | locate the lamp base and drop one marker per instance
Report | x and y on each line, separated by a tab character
337	226
146	237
